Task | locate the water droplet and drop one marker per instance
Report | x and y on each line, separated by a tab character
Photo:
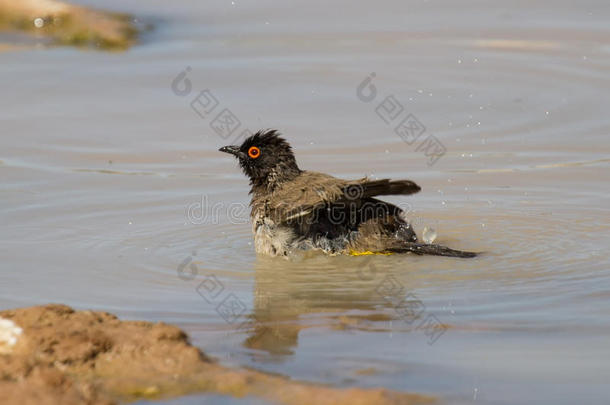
38	22
429	235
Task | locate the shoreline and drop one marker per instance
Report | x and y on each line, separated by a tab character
74	357
67	24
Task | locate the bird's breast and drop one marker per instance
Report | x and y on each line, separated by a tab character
269	238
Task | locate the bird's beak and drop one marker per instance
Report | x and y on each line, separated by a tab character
233	150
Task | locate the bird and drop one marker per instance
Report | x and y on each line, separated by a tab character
294	210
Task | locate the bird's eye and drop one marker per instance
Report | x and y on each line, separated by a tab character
254	152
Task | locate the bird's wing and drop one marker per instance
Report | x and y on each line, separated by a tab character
312	190
300	196
364	188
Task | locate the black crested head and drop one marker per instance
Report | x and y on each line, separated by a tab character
266	158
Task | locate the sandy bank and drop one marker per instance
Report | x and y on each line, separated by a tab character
55	355
67	24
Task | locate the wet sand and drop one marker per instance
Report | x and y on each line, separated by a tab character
114	197
66	357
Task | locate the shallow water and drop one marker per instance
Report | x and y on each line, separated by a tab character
105	170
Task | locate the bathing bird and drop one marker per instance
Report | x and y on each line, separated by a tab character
296	210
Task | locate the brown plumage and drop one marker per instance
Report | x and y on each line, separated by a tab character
294	209
311	191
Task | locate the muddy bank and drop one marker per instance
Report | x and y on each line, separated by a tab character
66	24
56	355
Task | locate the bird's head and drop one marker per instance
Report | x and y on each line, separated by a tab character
265	158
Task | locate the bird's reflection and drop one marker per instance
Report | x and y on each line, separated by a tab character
343	293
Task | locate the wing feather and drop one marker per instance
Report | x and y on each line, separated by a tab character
312	190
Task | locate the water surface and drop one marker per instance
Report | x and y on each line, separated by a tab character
105	170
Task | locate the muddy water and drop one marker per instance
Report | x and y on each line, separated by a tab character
114	197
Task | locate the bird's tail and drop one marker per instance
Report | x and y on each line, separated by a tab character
430	249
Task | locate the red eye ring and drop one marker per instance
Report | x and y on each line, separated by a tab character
254	152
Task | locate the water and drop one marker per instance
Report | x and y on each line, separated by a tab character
105	171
